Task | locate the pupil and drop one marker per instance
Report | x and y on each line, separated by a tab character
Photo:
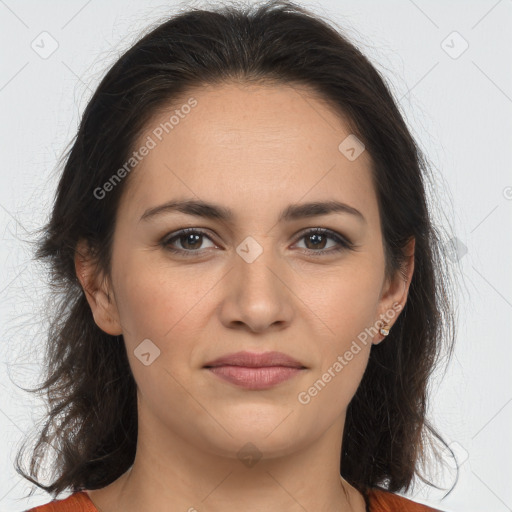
191	239
317	239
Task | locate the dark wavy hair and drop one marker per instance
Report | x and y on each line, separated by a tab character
91	424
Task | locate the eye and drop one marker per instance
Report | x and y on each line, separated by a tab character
315	241
191	240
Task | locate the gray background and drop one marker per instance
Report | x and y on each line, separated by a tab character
458	105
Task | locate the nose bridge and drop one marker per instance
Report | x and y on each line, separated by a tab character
256	258
257	296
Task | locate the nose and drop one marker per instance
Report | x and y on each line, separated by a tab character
256	295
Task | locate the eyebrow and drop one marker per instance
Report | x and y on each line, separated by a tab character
199	208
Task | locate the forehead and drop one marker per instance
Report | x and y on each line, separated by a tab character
249	146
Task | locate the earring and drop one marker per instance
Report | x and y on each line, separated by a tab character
384	330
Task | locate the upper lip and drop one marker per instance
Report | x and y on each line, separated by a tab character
255	360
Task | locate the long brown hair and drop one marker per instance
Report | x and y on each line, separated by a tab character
89	387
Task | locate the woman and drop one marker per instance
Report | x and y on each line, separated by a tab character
254	289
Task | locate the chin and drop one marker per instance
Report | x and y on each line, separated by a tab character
270	438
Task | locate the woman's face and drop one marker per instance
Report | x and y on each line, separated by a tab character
257	280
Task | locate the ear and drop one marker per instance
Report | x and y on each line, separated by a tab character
98	290
395	290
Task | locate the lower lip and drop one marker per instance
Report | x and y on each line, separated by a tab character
255	378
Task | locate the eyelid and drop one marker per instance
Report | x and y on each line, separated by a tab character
343	242
326	231
184	231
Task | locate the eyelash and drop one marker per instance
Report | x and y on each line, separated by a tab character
344	244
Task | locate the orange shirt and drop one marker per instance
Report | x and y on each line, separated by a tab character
380	501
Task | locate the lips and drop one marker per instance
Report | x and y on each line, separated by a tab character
255	360
255	371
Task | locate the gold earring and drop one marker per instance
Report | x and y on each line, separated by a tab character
385	330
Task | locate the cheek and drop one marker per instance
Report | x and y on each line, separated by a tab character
160	303
348	301
165	307
348	307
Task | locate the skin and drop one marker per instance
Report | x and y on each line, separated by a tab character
254	149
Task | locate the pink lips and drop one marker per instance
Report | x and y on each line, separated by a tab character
255	371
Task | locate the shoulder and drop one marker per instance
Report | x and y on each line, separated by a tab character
77	502
383	501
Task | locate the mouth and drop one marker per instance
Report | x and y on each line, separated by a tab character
255	371
255	360
255	378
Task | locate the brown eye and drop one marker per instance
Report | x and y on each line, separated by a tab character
188	241
316	240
